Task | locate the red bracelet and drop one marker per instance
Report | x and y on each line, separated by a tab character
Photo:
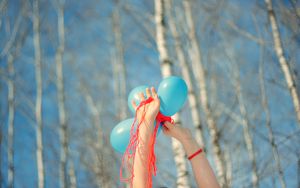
194	154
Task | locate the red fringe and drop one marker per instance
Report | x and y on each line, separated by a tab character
129	155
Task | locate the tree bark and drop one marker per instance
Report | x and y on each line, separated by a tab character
291	84
228	160
166	70
39	88
11	118
195	54
72	175
165	62
63	130
11	56
180	159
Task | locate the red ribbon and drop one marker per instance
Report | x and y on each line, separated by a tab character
129	155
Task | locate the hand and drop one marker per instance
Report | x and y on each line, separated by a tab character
151	109
183	135
180	133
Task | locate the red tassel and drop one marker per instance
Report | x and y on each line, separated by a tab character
129	155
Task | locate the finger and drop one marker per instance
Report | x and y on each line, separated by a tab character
142	97
154	94
134	104
148	94
168	125
165	129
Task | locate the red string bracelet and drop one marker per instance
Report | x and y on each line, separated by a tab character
194	154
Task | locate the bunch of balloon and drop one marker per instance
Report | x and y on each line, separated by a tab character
172	92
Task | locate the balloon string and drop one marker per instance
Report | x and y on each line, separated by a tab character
129	155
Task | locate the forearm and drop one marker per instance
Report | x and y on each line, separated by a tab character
203	172
141	157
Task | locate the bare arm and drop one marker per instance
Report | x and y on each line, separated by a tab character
203	173
202	170
140	160
146	130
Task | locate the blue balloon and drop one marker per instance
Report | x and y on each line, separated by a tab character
172	92
134	95
120	135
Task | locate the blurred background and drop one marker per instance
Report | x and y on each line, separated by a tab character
67	67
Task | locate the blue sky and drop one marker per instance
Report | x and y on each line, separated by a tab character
89	50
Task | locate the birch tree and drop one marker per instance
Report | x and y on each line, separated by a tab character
12	51
119	64
116	87
246	129
39	88
3	5
187	76
72	175
166	70
291	83
103	176
118	67
99	169
11	118
63	130
198	70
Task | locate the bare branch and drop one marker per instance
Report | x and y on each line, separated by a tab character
166	70
38	105
282	60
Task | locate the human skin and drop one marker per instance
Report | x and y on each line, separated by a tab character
202	170
203	173
145	132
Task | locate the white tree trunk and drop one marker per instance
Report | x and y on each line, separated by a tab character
282	60
195	54
246	128
166	70
268	124
119	69
11	118
116	87
63	130
38	105
103	174
120	65
186	74
99	168
165	62
228	160
11	96
180	159
72	175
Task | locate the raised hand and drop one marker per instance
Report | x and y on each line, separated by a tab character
178	132
150	110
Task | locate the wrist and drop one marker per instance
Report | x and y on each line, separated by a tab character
146	130
190	146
